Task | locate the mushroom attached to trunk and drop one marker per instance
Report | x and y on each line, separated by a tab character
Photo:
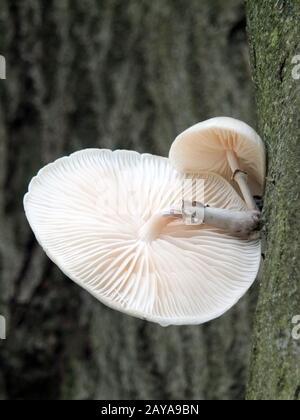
225	146
109	221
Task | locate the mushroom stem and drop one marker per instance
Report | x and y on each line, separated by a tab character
240	177
240	223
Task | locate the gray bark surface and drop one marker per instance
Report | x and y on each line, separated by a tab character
111	74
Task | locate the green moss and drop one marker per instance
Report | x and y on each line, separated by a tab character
275	39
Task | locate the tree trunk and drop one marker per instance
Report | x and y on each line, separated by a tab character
114	74
275	40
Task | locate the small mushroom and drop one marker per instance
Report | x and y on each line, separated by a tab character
113	223
225	146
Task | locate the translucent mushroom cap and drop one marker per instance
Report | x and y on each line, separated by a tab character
203	147
89	211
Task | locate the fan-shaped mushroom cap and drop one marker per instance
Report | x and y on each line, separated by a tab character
88	211
203	147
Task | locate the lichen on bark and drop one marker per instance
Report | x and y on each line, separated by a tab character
275	40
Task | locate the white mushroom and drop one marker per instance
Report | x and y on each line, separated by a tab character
105	218
225	146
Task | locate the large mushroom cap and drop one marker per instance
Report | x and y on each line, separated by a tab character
88	212
203	147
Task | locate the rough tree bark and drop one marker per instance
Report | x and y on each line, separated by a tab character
275	40
91	73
